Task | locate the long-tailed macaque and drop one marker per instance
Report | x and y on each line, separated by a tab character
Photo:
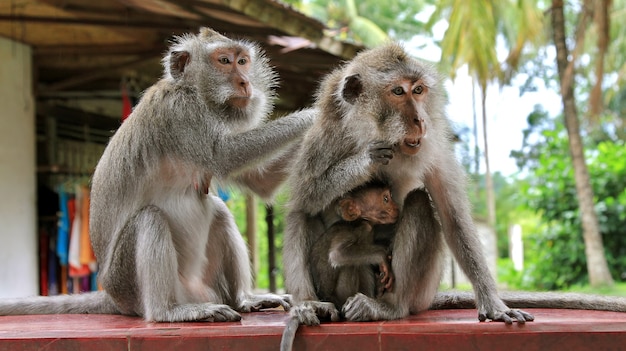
342	257
382	116
168	250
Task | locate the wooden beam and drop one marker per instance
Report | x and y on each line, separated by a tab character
87	77
280	17
84	21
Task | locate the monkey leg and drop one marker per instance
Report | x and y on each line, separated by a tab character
416	264
228	269
157	275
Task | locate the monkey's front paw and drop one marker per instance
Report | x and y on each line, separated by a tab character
255	303
361	308
380	152
506	316
221	313
310	312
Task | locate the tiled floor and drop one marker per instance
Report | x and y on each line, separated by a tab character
569	330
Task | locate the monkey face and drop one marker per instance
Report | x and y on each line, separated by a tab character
234	64
406	97
388	213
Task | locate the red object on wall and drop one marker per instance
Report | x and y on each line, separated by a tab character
127	106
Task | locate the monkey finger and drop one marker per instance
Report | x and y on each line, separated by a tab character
223	315
500	316
520	316
328	310
389	284
255	303
305	313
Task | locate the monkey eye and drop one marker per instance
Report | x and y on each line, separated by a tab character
398	91
242	61
386	199
224	60
418	89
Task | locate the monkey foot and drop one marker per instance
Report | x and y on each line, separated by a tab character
255	303
310	312
205	312
506	316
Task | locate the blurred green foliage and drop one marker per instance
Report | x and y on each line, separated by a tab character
554	247
237	205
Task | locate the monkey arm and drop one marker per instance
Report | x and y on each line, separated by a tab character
445	185
346	248
234	152
340	171
265	179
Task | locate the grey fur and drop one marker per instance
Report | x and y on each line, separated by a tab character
337	156
342	257
168	251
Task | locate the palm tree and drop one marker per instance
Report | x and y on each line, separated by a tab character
594	249
471	39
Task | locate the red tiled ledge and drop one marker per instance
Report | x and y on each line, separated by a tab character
569	330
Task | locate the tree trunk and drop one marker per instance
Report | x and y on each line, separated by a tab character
601	19
491	198
271	245
251	215
597	266
476	148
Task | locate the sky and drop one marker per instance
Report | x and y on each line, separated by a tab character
506	109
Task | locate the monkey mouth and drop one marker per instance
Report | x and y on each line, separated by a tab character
413	143
411	146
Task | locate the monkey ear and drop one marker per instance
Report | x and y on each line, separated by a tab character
178	61
208	33
352	88
349	210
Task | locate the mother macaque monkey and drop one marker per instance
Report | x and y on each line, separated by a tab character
382	116
167	249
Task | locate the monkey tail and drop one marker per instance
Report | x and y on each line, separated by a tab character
289	334
521	299
97	302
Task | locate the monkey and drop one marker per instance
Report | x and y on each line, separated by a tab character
382	115
168	249
341	258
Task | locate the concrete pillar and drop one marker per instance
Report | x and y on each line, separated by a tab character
19	273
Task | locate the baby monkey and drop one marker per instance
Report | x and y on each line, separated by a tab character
342	258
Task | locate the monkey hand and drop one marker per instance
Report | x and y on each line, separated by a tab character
255	303
380	152
386	276
362	308
310	312
503	314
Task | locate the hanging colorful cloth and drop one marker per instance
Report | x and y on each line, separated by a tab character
63	233
76	268
87	256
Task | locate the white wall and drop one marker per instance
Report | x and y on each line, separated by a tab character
19	273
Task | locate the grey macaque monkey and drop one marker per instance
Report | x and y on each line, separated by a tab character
382	115
168	250
342	257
